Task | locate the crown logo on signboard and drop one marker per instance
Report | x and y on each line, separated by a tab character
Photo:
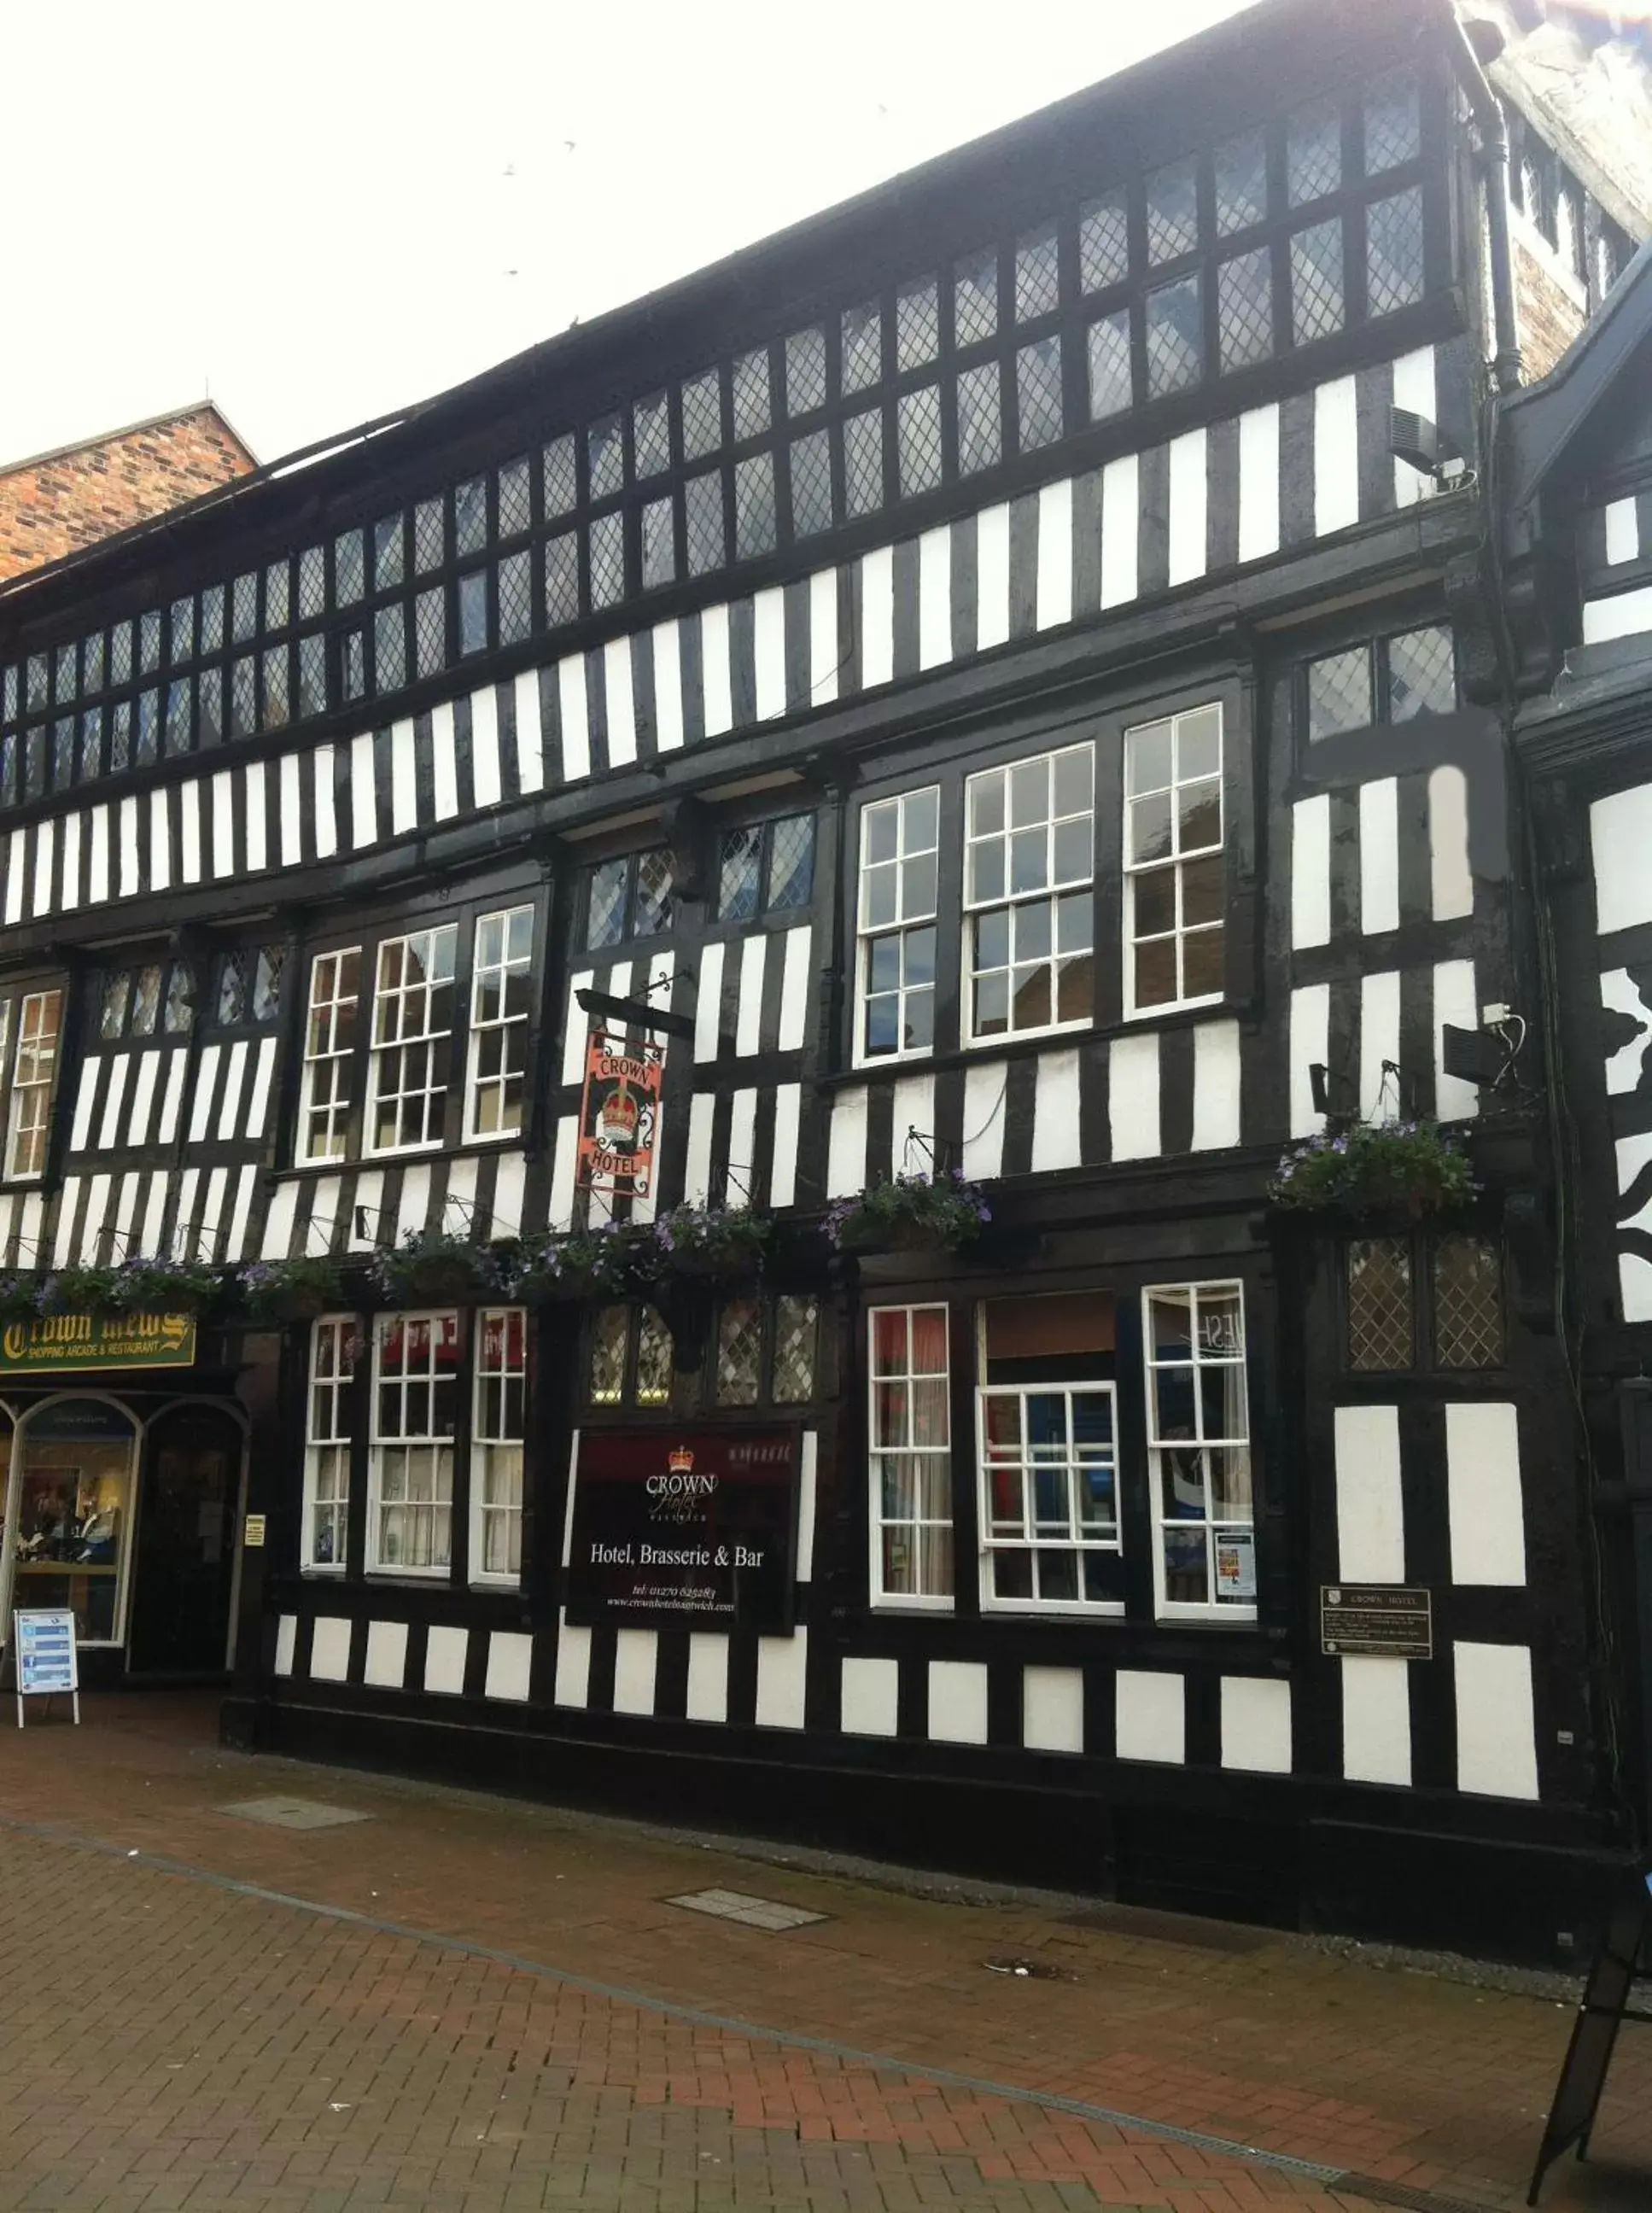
679	1460
617	1119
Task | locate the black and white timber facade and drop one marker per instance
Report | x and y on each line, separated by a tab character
977	662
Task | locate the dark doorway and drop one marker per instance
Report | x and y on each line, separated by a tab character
185	1561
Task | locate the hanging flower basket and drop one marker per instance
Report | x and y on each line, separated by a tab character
291	1290
911	1214
610	1261
148	1286
713	1244
432	1267
1406	1169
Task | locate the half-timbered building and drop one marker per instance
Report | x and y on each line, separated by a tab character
978	669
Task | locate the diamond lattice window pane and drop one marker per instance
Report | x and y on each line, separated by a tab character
349	575
702	514
277	595
561	578
796	1326
470	515
1380	1333
740	1349
473	603
179	703
917	439
514	487
1173	210
120	664
606	1377
980	419
651	435
149	726
312	681
1468	1322
91	739
39	669
752	406
430	628
1175	338
605	450
561	489
243	698
740	873
1393	252
604	921
389	648
1038	274
120	737
864	461
863	346
180	637
811	484
975	299
1316	293
1242	181
659	544
918	324
701	408
352	664
312	593
278	701
1392	129
791	862
1339	692
209	705
389	537
1245	309
1104	243
1039	411
754	509
149	641
654	1359
10	707
652	911
608	543
515	598
806	371
62	740
1422	674
1313	154
91	661
243	598
1110	370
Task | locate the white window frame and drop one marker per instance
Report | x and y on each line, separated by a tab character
906	921
1076	1540
484	1443
442	1450
327	1454
507	1027
39	1050
331	1095
1174	860
921	1601
1212	1609
385	1049
1053	889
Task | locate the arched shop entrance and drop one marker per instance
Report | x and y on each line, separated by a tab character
126	1515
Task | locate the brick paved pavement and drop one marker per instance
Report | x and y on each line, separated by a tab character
167	2038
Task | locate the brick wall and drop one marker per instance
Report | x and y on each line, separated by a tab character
1550	316
50	507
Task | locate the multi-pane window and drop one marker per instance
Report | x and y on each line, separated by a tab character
1174	873
1048	1454
498	1429
766	867
136	1002
910	1429
899	856
1029	862
38	1019
325	1101
760	1351
628	897
249	986
501	1004
1424	1303
628	1358
411	1442
326	1441
413	1039
1199	1449
1384	679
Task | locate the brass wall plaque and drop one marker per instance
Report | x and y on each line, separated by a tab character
1395	1620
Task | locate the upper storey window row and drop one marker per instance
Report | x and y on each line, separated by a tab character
1210	264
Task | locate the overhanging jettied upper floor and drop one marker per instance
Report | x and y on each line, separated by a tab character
1142	341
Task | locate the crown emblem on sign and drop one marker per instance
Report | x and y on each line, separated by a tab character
618	1116
679	1460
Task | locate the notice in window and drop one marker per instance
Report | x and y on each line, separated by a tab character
619	1116
1235	1563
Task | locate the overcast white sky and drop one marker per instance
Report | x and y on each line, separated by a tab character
322	209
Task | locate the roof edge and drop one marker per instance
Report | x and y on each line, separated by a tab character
129	430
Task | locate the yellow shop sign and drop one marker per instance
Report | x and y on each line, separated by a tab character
56	1343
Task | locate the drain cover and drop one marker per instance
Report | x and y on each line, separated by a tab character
750	1913
294	1814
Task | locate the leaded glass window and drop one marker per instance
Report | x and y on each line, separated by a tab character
388	554
148	727
1392	126
739	1363
980	418
561	579
863	462
179	700
1393	252
703	515
606	1373
348	573
93	661
312	679
1245	309
40	670
1175	338
1104	243
515	497
1339	692
1173	214
1038	275
654	1359
863	346
752	407
430	532
515	597
277	595
1313	153
918	324
470	515
120	663
806	371
1422	674
149	641
430	630
312	594
702	407
797	1330
659	544
1037	394
1241	183
390	648
243	602
473	611
561	483
917	439
1110	365
181	632
607	549
278	696
1381	1323
754	509
1468	1316
352	664
605	449
975	299
811	484
1316	287
651	435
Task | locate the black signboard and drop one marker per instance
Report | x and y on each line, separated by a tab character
1394	1619
693	1527
1605	1995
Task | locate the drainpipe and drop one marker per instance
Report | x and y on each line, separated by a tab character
1469	48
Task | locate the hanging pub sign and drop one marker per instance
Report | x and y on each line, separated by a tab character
693	1526
57	1343
619	1116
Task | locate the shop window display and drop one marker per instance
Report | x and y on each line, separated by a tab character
71	1514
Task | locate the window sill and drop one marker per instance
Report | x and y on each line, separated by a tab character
1050	1610
397	1575
913	1606
1207	1617
1173	1006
